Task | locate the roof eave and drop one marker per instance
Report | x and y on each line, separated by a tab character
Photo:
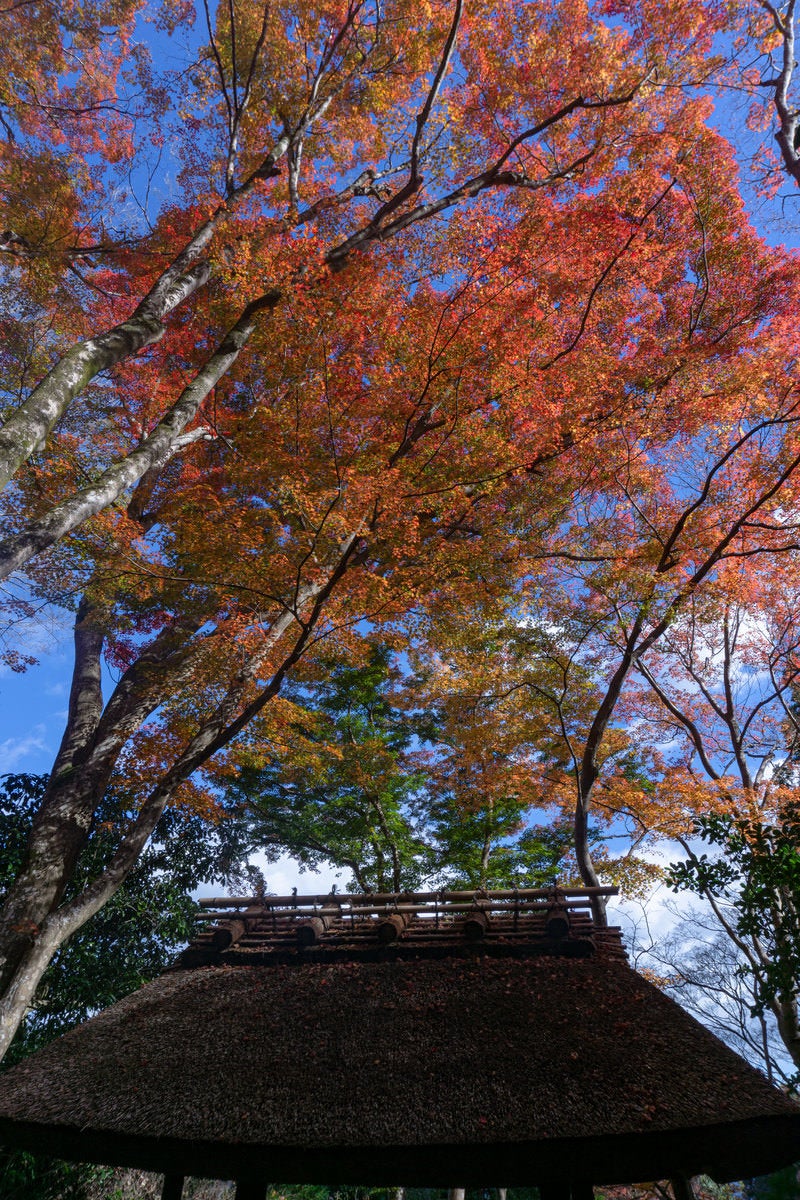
726	1152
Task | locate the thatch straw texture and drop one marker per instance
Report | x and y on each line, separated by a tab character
482	1071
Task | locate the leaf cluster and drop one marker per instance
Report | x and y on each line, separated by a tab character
356	784
757	870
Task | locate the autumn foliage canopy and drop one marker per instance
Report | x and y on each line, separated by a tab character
440	320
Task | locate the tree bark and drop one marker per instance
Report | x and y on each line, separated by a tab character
786	1015
583	855
90	748
150	455
29	425
32	925
64	818
29	967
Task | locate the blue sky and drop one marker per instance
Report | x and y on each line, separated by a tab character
33	707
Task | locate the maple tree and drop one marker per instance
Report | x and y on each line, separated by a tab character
637	555
698	965
763	66
701	736
724	682
476	267
366	781
339	110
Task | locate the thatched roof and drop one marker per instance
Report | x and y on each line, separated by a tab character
476	1070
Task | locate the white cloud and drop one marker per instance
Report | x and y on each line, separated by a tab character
14	751
284	875
646	923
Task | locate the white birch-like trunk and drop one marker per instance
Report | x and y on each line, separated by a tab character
165	440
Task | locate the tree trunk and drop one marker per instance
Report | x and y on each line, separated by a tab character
166	439
785	1009
29	967
32	926
32	953
29	425
90	748
583	856
63	822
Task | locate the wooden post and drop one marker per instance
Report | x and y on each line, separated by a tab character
248	1189
554	1191
582	1191
173	1187
557	923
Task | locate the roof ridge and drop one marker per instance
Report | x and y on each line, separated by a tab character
361	927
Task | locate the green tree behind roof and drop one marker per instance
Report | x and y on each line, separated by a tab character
357	788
